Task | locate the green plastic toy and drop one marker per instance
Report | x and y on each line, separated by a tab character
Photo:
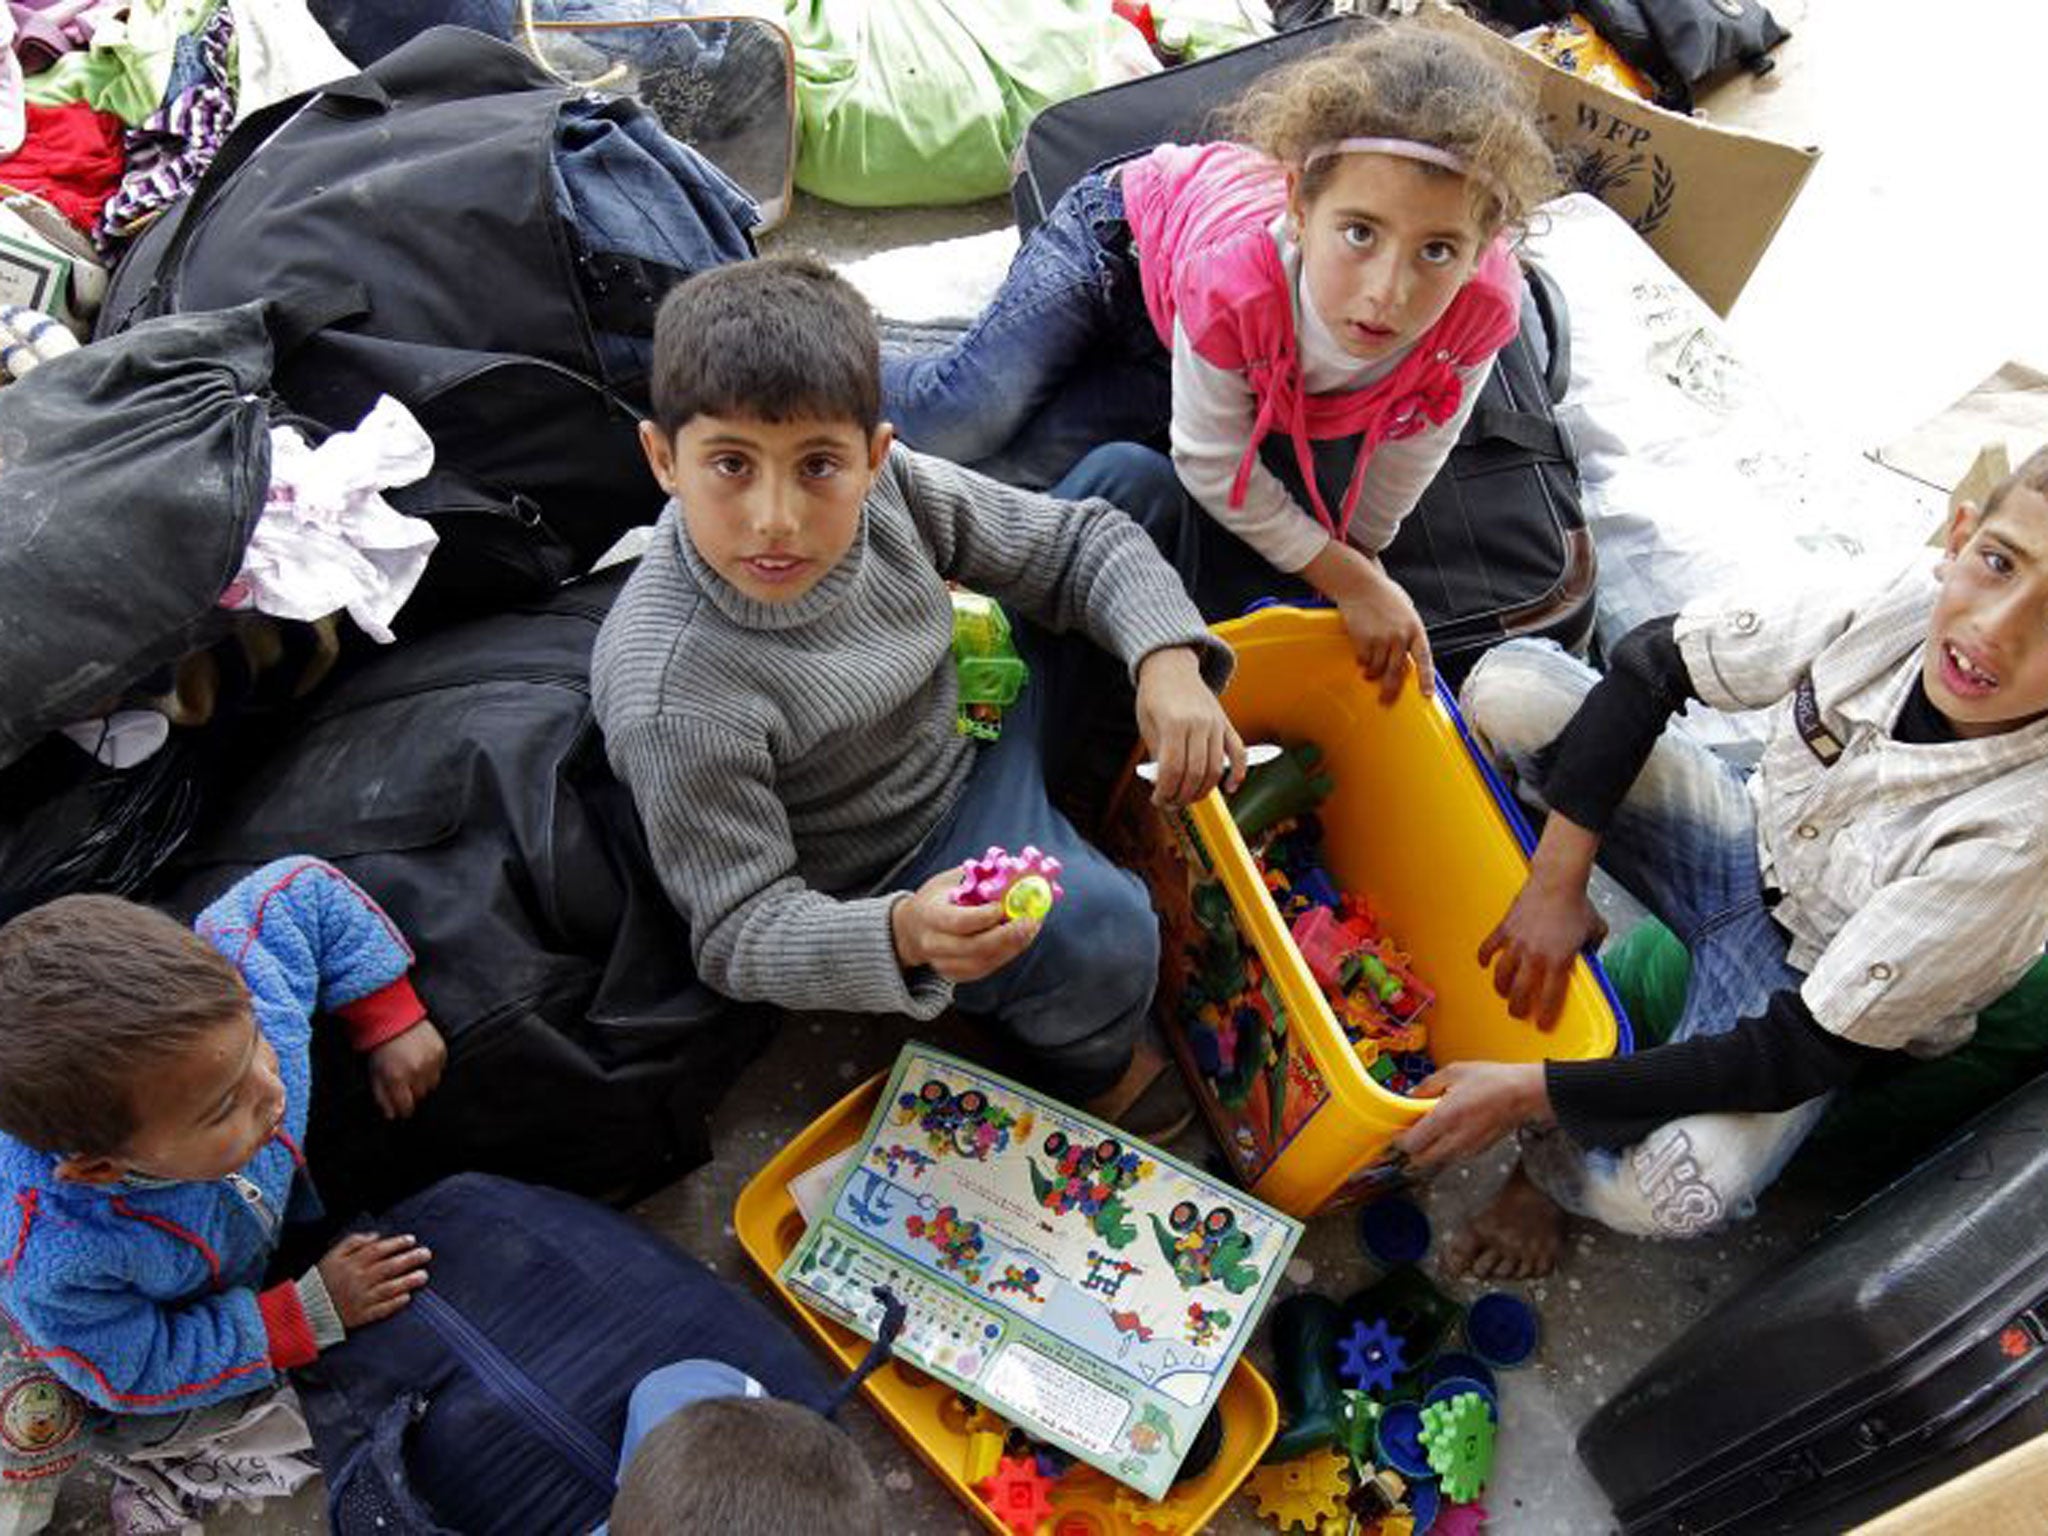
1290	785
990	672
1458	1434
1305	1329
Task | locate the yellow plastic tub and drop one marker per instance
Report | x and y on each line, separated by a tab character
927	1413
1417	823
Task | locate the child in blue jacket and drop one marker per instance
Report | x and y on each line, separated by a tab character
153	1097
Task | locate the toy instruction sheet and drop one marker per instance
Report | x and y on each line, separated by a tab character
1091	1290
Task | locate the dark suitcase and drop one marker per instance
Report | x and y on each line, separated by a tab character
1908	1342
1070	138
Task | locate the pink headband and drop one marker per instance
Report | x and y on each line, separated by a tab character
1406	149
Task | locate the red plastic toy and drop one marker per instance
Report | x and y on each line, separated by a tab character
1019	1493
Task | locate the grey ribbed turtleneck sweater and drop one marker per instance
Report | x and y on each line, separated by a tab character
781	752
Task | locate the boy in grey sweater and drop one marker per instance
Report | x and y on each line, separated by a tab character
776	687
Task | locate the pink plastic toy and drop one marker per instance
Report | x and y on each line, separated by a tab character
1026	883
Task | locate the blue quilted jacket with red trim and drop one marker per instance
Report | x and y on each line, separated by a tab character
141	1295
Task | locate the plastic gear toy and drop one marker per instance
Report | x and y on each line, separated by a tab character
1459	1520
1165	1515
1018	1493
1369	1357
1459	1437
1026	883
1303	1492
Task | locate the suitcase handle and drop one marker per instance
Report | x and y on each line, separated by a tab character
1957	1401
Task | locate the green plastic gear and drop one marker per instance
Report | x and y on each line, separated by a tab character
1458	1435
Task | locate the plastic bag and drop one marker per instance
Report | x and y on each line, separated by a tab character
921	101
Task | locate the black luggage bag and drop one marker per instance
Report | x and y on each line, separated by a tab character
1910	1341
1070	138
1498	545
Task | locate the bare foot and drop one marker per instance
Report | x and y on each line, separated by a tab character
1516	1237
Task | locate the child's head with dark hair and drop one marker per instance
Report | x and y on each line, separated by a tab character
1407	153
1985	662
127	1044
738	1466
767	422
779	339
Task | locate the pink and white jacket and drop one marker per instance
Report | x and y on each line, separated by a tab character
1201	219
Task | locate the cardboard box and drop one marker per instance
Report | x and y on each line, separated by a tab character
1707	199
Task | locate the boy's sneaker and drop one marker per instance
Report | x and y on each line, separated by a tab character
1150	1100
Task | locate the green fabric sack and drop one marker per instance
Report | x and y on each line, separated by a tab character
922	101
1877	1128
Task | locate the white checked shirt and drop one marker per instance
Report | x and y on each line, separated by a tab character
1913	878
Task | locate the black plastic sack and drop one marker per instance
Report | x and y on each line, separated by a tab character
461	780
131	475
1683	44
492	246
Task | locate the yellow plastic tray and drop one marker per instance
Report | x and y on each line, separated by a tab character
1414	822
924	1411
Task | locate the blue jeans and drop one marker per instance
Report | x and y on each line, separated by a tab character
1222	573
1063	359
1073	1004
1684	844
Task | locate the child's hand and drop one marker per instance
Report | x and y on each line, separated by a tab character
370	1277
1385	629
1532	949
1185	729
960	943
1477	1103
406	1068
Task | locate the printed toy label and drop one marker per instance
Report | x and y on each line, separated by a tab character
1090	1289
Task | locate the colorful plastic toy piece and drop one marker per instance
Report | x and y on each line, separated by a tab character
1304	1333
984	1454
1413	1307
1397	1525
1304	1492
1458	1435
986	663
1370	1357
1399	1441
1501	1328
1030	876
1018	1493
1425	1499
1327	939
1454	1387
1289	786
1459	1519
1451	1363
1168	1514
1393	1231
1029	897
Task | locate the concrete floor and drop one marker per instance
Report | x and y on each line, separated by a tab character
1907	271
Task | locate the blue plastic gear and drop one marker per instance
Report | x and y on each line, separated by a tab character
1369	1357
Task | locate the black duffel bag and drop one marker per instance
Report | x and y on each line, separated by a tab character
496	244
